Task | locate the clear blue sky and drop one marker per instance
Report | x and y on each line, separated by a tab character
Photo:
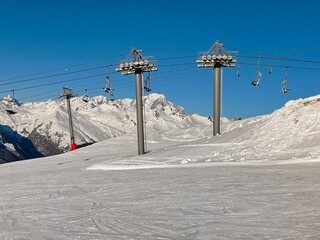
39	36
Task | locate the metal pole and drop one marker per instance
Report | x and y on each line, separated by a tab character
217	100
217	57
139	110
73	144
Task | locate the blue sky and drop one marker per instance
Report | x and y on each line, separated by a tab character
48	36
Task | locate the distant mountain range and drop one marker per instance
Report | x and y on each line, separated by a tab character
38	129
41	129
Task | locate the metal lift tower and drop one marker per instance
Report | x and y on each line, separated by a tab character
137	64
67	94
216	58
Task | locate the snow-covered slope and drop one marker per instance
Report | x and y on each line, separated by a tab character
292	132
180	189
46	123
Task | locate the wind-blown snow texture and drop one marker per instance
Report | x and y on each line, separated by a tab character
258	180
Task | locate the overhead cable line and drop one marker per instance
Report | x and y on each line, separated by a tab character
171	73
160	59
165	65
54	83
253	57
51	76
79	71
126	85
274	57
62	68
157	50
282	59
169	65
281	66
171	49
41	94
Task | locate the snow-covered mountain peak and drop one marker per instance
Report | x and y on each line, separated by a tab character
155	96
46	123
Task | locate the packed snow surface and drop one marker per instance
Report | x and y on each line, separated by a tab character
258	180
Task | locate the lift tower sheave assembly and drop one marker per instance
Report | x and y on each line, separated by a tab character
67	94
136	64
216	58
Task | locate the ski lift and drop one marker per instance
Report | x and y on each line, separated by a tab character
270	67
146	83
258	75
11	104
238	71
107	86
284	84
85	97
258	78
106	89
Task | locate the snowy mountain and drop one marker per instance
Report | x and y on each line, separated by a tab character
41	129
44	125
292	132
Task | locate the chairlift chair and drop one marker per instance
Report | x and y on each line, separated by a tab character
255	83
238	71
284	84
270	67
11	105
85	97
258	75
146	83
147	89
285	90
107	84
11	108
258	78
107	88
111	93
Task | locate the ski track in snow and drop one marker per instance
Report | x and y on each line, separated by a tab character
189	186
236	201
